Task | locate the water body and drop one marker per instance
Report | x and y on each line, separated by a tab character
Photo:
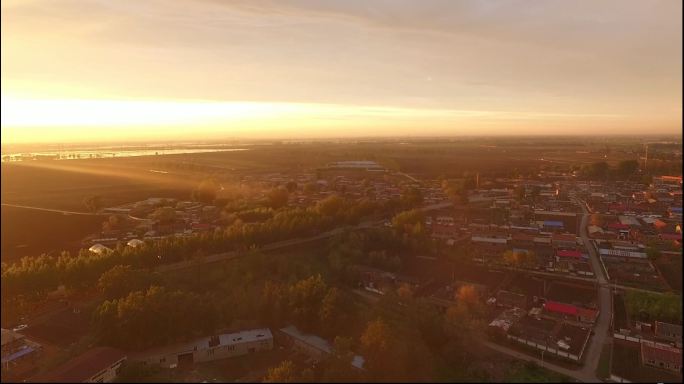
108	153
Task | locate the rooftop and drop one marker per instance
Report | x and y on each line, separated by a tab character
9	336
313	340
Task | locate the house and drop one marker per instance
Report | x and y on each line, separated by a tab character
585	315
661	356
569	255
444	232
97	365
611	252
669	332
16	348
552	225
511	299
135	243
209	348
99	249
564	240
314	346
310	345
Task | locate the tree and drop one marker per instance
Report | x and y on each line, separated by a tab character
411	197
333	311
338	368
519	193
596	219
330	206
305	298
154	316
536	190
652	253
376	344
628	167
93	202
165	215
467	295
206	191
122	279
114	222
409	221
278	197
598	170
310	188
405	292
282	373
291	186
198	259
273	302
464	326
469	182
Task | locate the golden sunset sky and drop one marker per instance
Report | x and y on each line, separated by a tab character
205	69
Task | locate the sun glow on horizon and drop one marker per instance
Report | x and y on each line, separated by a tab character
26	119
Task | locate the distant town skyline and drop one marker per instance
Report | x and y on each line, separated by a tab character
114	70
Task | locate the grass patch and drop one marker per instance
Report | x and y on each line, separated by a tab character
603	369
530	372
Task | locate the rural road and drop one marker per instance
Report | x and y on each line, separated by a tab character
591	356
593	352
53	210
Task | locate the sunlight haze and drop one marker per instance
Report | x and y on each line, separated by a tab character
105	69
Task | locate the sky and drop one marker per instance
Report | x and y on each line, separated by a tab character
213	69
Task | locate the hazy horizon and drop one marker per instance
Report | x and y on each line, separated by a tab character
121	70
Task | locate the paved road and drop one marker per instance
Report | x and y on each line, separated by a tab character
409	177
53	210
593	352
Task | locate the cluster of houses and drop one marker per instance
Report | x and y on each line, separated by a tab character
548	237
104	364
19	354
558	322
227	345
644	351
152	219
351	179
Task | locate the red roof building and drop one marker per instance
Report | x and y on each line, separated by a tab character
587	314
568	253
565	309
618	226
661	356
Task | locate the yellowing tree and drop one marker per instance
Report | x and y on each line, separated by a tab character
282	373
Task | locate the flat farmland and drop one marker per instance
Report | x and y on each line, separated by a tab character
27	232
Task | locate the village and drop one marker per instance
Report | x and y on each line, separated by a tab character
566	270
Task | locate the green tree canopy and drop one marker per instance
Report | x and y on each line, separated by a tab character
278	197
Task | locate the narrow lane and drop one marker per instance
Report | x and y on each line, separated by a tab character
601	328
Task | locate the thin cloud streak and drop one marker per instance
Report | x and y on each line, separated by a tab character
614	61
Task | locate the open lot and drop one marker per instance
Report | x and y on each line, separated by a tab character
27	232
637	274
62	328
671	270
527	285
571	293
